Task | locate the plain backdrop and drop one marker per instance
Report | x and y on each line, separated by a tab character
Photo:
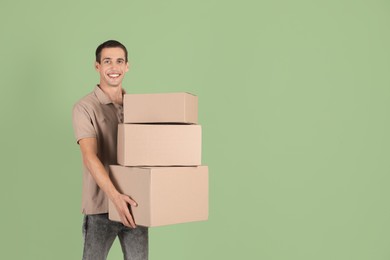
293	100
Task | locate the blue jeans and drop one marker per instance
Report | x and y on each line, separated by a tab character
99	233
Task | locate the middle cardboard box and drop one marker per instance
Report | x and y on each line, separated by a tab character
159	145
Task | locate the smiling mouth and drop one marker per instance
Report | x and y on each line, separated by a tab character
113	75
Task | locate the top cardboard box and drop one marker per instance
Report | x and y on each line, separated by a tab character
160	108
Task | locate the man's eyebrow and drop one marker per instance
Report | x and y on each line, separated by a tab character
107	58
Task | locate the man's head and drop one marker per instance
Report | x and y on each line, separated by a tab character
109	44
111	63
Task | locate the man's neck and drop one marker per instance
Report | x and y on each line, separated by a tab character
114	93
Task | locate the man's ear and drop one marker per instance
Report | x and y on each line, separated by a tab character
127	66
97	66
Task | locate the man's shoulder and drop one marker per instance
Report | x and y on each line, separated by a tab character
88	101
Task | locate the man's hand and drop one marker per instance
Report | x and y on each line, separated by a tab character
122	203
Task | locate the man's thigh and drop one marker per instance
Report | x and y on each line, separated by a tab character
99	234
134	243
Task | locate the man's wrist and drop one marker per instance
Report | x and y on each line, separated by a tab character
113	194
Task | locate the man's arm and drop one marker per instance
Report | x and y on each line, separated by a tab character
88	148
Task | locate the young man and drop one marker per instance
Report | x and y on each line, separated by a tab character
95	122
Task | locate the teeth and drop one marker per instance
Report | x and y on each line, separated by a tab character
113	75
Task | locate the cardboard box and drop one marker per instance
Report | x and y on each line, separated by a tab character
159	145
160	108
165	195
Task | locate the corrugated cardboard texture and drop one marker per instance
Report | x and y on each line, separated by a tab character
165	195
159	145
160	108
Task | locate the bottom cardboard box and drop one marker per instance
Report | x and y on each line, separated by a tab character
165	195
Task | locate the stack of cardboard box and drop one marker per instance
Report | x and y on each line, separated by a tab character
159	152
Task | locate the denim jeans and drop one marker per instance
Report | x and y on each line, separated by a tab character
99	233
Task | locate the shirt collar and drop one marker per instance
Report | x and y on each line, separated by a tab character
101	96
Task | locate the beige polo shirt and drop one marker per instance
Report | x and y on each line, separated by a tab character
95	115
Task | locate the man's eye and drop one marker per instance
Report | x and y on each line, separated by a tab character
120	61
106	61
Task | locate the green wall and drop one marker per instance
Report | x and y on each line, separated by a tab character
294	104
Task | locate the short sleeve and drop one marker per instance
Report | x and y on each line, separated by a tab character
82	123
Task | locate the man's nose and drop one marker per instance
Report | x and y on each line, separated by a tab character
114	65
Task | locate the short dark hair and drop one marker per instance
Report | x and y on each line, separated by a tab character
109	44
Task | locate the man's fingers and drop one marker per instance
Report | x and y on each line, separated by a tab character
131	201
127	219
128	216
124	211
130	220
124	221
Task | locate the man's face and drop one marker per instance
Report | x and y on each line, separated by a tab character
112	66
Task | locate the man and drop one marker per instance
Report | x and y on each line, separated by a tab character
95	122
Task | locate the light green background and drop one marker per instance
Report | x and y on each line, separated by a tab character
294	104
